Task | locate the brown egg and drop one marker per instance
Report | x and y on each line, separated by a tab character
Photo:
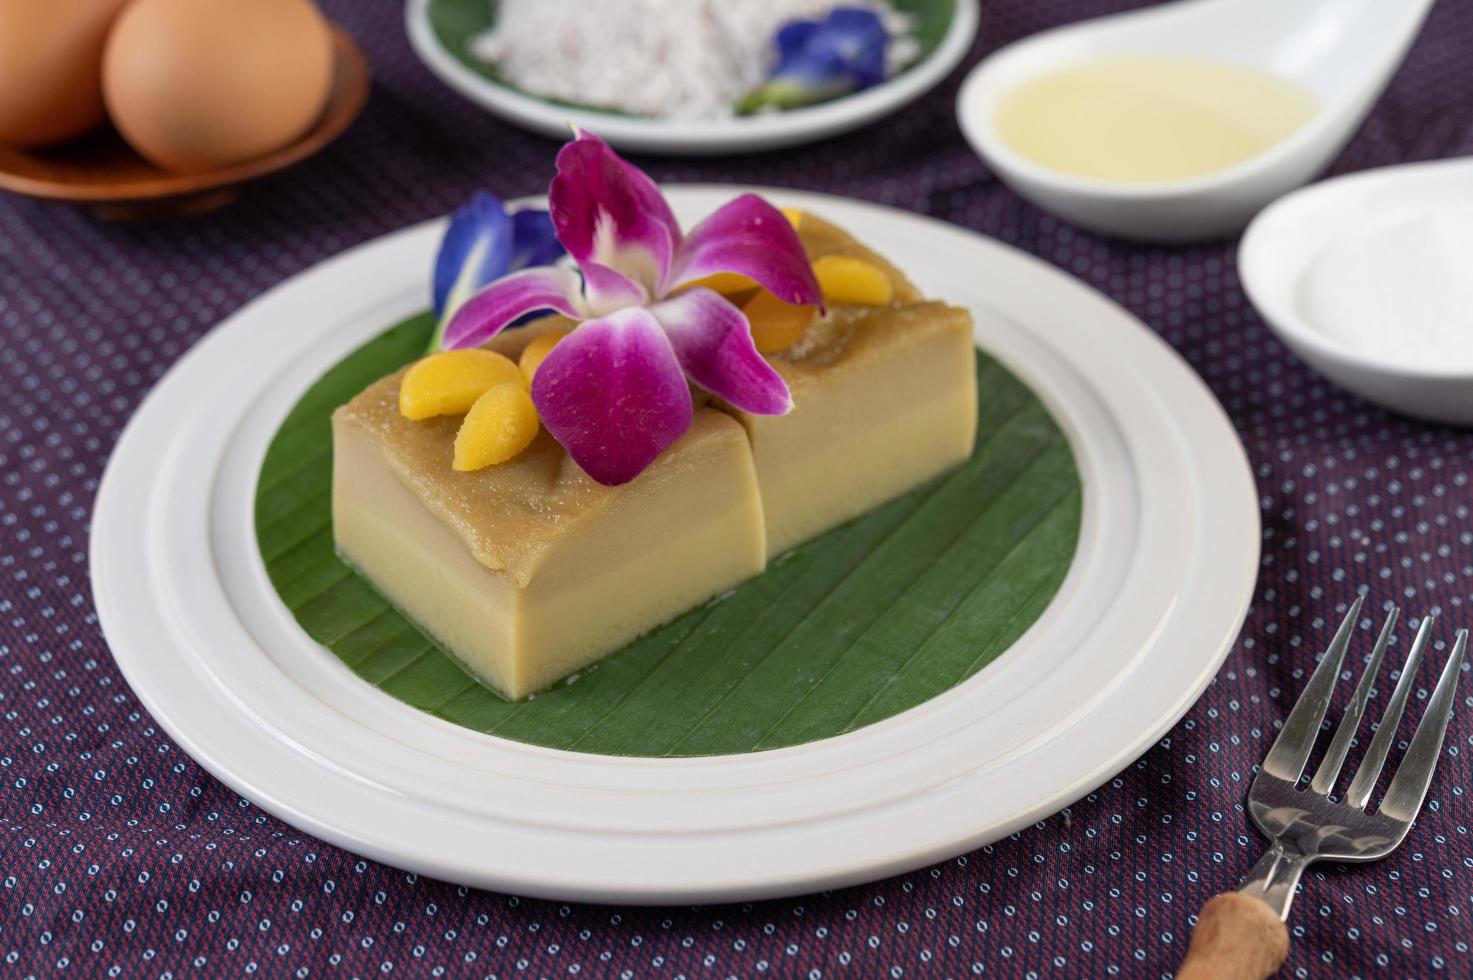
51	68
197	85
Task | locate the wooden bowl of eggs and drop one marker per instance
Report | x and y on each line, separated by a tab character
156	108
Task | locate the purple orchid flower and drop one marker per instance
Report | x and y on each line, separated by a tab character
483	243
823	59
614	392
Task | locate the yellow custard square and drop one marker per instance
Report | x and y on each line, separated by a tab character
529	570
884	398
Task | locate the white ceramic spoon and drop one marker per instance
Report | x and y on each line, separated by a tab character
1365	278
1342	51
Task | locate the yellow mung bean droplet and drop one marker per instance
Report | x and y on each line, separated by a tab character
536	352
845	279
448	383
776	325
501	423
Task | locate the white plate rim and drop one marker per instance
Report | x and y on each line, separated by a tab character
697	137
675	830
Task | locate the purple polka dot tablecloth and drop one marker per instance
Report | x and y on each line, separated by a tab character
119	856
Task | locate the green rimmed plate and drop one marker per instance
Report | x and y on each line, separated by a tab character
1165	564
440	32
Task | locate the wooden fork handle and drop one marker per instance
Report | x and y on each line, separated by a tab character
1236	938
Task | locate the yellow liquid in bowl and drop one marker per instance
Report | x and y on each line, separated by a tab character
1150	119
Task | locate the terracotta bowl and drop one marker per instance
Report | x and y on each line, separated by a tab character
103	173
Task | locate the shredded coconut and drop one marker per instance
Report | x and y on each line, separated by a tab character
678	59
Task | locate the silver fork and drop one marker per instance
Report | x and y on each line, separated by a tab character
1241	934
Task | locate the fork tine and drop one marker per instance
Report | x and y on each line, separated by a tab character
1329	770
1370	767
1409	786
1291	749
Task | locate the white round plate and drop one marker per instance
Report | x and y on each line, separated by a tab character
1168	555
745	134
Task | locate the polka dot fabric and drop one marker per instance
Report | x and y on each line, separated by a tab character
121	857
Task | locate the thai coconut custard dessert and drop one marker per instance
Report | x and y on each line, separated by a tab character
694	404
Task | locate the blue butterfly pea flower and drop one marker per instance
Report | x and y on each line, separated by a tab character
820	60
482	244
533	241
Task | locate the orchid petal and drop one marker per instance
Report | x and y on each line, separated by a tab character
482	244
609	212
613	394
476	250
534	240
713	341
751	238
607	290
484	315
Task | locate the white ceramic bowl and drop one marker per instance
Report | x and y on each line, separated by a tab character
1283	245
1342	51
743	134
